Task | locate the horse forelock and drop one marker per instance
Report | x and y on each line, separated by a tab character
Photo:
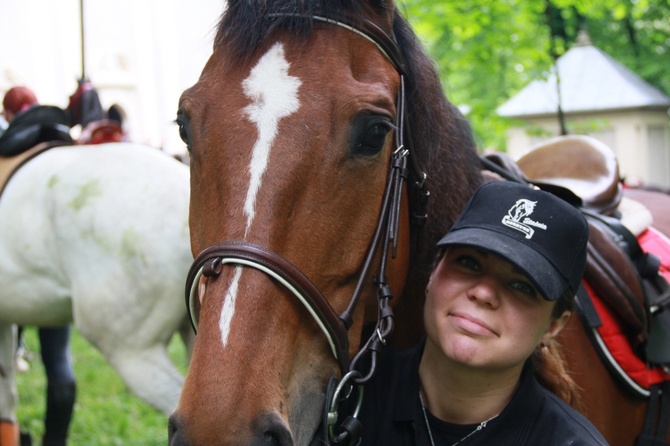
247	24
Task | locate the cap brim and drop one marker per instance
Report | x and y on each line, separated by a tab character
534	265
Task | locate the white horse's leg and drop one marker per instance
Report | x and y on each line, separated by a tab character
135	344
136	347
150	375
134	338
9	430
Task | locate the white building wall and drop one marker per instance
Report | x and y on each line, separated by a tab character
140	54
641	158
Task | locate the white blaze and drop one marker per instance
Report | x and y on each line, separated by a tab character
228	309
274	95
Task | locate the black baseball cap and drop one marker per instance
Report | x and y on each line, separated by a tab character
539	233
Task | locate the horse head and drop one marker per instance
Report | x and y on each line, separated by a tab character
303	182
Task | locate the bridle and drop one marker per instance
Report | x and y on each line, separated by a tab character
209	263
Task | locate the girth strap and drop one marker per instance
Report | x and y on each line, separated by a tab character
587	309
657	421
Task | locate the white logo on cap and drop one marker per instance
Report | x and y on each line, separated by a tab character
516	217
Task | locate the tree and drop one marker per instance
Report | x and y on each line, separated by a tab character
487	50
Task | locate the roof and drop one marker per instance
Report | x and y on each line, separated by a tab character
590	81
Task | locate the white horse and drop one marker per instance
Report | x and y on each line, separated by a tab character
98	236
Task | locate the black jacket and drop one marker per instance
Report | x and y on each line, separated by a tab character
392	416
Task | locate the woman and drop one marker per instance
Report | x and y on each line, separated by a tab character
16	100
501	291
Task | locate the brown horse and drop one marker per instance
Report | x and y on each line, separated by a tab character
291	135
303	125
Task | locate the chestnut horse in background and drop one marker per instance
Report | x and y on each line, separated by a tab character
325	161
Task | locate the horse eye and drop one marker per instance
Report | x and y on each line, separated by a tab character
373	137
183	130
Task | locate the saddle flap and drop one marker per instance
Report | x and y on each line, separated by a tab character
612	274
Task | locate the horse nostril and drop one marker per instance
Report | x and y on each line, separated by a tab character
271	439
173	436
271	430
277	437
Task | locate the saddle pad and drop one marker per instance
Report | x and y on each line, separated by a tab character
655	242
615	341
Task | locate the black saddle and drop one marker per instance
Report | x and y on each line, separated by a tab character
41	123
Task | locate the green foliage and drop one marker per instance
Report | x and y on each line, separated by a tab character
106	412
488	50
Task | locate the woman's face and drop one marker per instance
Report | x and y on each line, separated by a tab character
483	312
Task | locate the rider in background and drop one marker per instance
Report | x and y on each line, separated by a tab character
501	290
16	100
97	125
84	106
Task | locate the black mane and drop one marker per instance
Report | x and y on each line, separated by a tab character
442	138
443	144
247	24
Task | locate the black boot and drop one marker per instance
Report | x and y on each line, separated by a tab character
26	440
60	404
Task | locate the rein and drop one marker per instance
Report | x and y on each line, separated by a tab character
209	262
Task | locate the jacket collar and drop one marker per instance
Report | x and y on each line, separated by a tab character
514	421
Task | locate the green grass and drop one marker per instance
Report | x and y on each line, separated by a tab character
106	412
